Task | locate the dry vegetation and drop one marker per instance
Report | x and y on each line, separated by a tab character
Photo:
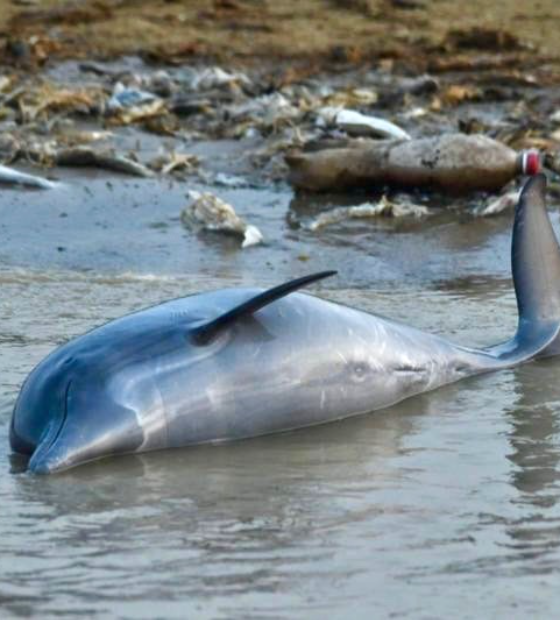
413	32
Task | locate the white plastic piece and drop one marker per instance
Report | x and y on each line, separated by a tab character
253	236
208	212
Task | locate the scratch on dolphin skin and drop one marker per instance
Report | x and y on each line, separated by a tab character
342	357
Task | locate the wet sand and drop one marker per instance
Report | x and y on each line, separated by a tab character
114	225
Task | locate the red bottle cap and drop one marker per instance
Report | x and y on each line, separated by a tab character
530	162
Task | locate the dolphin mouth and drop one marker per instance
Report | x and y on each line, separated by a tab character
19	444
41	461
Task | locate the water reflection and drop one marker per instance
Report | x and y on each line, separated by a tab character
252	517
351	454
535	454
534	436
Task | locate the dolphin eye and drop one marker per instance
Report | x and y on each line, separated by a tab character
359	370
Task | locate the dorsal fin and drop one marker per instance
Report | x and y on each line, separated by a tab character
205	333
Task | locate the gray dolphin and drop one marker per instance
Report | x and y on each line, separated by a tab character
238	363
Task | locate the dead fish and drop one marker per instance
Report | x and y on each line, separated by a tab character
208	212
107	160
384	208
357	124
10	176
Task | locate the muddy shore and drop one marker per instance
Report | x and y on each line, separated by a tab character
159	82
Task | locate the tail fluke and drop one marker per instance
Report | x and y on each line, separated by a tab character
535	256
535	264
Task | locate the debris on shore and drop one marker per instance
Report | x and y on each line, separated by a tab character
452	162
131	105
207	212
496	206
368	210
268	117
165	107
173	162
135	119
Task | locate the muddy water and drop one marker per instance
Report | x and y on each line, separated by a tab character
446	505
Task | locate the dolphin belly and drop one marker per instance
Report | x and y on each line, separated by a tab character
304	361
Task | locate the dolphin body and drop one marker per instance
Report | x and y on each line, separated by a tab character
238	363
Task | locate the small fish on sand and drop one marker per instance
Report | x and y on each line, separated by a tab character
104	159
357	124
9	176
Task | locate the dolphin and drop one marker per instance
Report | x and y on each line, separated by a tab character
242	362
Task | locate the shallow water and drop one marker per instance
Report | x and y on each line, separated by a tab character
446	505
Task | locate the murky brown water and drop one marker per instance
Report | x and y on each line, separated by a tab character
444	506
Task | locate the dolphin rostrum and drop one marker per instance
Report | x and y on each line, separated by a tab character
238	363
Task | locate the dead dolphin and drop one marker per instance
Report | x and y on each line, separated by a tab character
238	363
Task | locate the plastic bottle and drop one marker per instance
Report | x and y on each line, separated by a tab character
456	163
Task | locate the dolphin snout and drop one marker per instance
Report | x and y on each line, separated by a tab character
47	456
86	433
50	461
39	464
66	451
